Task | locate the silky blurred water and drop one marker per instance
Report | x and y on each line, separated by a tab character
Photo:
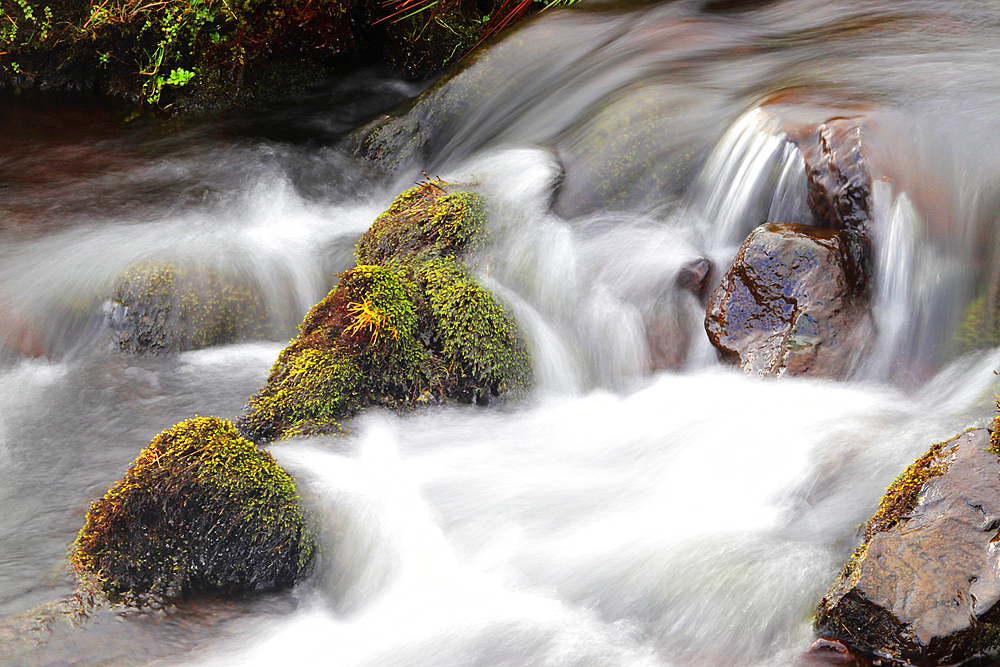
645	505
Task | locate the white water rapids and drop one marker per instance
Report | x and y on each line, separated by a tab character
621	514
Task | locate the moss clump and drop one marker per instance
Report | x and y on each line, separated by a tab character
477	339
164	307
425	220
407	325
314	386
200	509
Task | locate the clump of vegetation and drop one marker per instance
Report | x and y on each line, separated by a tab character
201	509
218	51
424	221
407	325
474	336
164	307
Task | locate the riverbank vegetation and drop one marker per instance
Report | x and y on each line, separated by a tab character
222	52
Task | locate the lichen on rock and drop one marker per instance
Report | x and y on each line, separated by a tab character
200	510
407	325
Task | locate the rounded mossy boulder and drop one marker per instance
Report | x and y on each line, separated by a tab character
160	307
355	348
200	510
407	325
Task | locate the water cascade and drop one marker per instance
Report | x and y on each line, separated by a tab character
646	504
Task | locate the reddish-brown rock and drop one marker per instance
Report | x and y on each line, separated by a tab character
791	303
924	589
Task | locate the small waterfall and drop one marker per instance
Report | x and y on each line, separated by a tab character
754	175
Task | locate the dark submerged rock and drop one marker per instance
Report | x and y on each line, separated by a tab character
161	307
790	303
407	325
200	510
923	587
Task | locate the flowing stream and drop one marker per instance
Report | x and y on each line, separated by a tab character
622	514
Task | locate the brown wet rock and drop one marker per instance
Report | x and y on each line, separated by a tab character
924	588
791	303
840	184
696	277
826	652
839	176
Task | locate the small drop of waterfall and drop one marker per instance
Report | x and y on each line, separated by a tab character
753	176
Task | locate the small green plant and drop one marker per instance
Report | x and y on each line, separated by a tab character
179	77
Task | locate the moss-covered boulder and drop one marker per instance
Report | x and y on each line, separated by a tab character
200	510
407	325
159	307
923	587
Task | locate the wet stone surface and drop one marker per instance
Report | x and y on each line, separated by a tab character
790	304
925	590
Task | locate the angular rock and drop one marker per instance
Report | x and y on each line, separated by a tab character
840	185
407	325
791	303
200	510
924	587
839	188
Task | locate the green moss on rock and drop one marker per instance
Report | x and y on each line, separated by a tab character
407	325
424	220
201	509
315	386
904	492
162	307
476	337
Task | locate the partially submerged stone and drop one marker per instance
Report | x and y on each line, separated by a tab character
200	510
407	325
923	588
791	303
162	307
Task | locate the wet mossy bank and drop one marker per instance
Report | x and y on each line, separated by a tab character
203	510
197	53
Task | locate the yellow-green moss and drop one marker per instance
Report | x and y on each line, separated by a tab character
407	325
200	509
424	220
475	335
902	495
314	386
165	307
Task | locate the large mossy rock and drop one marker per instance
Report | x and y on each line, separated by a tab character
407	325
200	510
792	303
924	586
163	307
